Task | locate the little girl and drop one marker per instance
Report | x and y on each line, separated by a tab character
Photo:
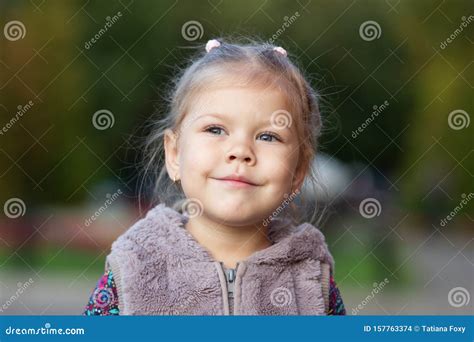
238	143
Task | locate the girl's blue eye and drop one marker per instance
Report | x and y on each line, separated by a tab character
271	135
214	130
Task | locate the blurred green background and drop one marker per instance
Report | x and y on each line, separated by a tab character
396	80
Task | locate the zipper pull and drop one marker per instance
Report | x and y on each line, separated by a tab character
231	275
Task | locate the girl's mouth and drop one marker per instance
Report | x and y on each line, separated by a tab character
235	183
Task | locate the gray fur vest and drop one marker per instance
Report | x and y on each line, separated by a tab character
160	269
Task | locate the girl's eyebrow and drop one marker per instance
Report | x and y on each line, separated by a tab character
219	116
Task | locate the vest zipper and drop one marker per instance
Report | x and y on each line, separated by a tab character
230	274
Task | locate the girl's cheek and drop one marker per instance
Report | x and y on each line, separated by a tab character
200	152
210	146
278	157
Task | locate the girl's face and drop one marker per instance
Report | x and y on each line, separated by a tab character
231	132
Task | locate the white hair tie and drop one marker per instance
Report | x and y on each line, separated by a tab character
211	44
280	50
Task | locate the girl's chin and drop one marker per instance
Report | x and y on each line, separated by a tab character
235	217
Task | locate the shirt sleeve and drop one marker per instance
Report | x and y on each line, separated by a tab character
104	300
336	306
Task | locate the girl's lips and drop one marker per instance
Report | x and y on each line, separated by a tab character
235	183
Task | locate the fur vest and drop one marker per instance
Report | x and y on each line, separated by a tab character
160	269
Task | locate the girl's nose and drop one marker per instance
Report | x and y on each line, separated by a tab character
241	153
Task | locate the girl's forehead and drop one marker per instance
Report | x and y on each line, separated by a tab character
237	99
228	79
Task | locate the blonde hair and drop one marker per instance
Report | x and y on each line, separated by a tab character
246	64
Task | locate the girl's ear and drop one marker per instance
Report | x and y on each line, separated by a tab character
299	177
171	154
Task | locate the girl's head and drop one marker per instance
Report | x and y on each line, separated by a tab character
237	110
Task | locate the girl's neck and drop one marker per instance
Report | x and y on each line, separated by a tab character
227	243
